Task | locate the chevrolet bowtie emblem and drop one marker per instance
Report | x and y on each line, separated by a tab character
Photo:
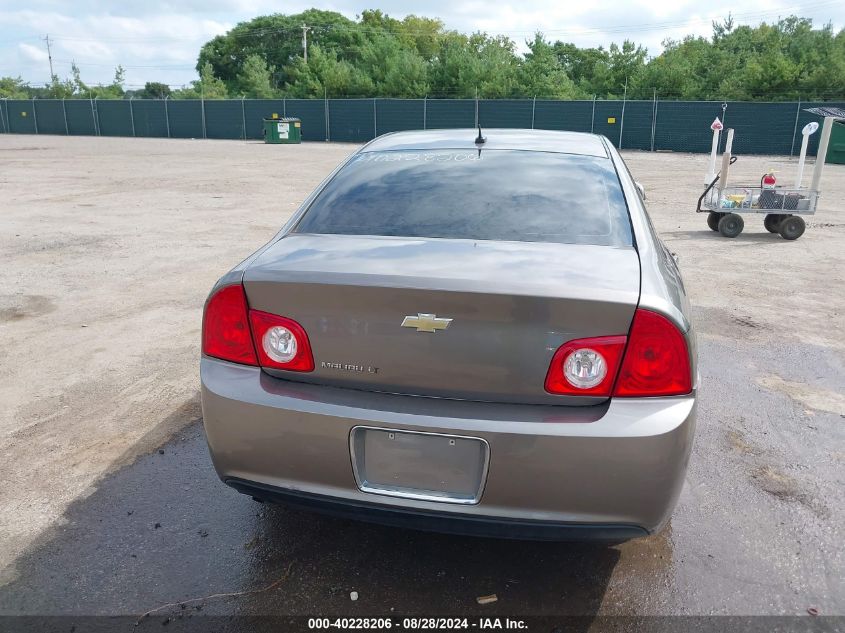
426	322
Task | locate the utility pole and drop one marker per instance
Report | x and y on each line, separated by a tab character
49	56
305	30
622	122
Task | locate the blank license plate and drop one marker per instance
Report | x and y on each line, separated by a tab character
427	466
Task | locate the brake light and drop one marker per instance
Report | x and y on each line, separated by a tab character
281	342
585	367
656	361
225	327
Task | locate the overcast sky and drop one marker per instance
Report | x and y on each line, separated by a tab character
158	40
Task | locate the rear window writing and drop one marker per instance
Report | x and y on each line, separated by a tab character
503	195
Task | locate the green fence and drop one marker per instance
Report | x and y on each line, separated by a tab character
681	126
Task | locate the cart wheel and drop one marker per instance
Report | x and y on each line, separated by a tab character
772	222
731	225
792	227
713	220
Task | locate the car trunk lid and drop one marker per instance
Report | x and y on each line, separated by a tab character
475	320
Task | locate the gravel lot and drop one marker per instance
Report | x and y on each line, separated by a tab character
108	248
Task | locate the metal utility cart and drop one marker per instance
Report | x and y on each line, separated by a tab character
783	207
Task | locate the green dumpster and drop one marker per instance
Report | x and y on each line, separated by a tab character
836	149
284	130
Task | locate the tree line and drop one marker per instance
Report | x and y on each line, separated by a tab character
380	56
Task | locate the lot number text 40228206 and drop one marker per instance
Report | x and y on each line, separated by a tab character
417	624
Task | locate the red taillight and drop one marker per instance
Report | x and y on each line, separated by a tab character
568	376
281	343
225	328
233	332
656	361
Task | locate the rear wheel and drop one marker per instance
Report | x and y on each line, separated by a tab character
792	227
731	225
713	220
772	222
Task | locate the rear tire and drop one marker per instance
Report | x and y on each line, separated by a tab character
731	225
772	222
792	227
713	220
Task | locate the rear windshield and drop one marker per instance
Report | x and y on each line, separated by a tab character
492	195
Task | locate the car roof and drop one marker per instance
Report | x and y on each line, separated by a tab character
497	138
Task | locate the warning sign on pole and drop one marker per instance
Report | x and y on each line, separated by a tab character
716	126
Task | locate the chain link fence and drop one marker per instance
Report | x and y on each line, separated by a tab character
680	126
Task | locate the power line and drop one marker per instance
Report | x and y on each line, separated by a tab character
67	62
360	28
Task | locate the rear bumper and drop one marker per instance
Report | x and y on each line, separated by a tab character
450	523
612	472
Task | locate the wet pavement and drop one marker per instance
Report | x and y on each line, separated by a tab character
758	529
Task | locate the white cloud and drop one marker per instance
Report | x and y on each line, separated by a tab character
159	39
32	53
151	47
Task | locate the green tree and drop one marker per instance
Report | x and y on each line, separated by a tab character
59	89
478	64
154	90
325	74
601	72
74	87
406	76
626	63
255	79
422	34
378	55
115	89
13	88
680	72
207	87
582	65
278	40
785	60
542	73
395	70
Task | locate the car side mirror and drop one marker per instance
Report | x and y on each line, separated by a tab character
640	190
